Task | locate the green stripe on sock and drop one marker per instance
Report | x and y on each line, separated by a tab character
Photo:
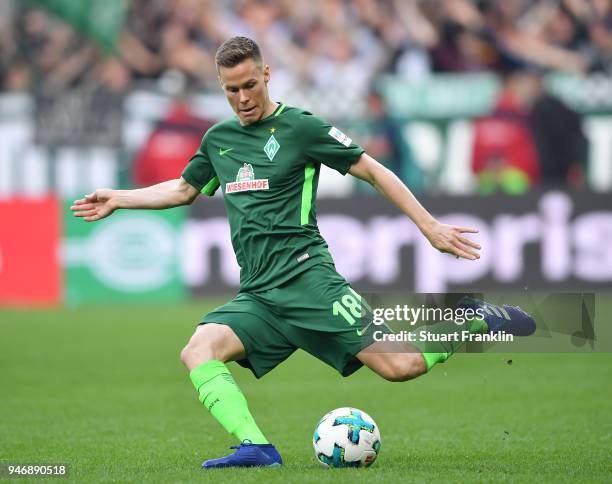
206	371
439	351
220	394
431	359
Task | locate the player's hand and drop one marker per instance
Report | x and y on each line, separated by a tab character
95	206
450	239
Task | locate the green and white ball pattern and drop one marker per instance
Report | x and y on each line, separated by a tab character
346	437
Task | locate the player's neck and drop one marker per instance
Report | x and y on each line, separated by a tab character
270	108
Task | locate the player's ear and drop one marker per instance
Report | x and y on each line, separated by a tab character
266	73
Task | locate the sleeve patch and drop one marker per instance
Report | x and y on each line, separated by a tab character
340	136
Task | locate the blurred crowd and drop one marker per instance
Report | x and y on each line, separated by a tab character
321	43
528	138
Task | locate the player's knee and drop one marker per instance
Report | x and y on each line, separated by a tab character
404	367
202	347
197	352
188	353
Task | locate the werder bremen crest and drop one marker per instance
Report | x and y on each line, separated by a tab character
272	147
245	173
245	181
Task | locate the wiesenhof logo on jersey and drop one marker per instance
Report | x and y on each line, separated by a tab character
245	181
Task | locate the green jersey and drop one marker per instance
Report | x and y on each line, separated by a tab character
268	172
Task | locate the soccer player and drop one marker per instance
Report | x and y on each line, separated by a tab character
266	160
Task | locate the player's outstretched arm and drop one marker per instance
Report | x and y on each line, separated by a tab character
445	238
104	201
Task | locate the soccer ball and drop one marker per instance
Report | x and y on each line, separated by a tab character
346	437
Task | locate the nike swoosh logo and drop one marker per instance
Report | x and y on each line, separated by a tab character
222	151
362	331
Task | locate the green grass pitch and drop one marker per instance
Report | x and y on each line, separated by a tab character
103	390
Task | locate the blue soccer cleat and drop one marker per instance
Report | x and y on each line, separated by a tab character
510	319
247	455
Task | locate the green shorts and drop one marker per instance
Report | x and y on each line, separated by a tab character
316	311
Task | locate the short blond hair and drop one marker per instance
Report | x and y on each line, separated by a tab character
237	49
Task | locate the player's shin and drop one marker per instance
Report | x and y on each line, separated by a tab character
220	394
438	341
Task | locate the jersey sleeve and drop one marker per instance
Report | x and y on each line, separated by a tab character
200	172
324	143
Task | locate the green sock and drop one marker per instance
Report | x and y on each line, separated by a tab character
220	394
439	351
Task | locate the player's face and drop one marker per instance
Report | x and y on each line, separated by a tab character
246	88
